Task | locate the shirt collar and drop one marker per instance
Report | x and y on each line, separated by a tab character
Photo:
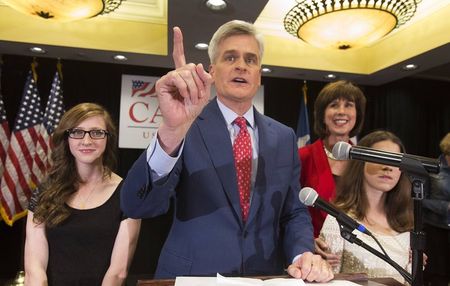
230	115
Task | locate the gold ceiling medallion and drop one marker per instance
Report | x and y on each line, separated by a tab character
345	24
63	10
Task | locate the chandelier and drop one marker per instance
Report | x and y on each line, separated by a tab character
344	24
64	10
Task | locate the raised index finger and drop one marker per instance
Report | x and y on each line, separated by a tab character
178	50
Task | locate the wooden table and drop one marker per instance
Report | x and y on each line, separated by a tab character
359	278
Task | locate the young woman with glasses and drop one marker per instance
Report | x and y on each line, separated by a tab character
76	233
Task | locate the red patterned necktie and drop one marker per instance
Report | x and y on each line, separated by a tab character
242	150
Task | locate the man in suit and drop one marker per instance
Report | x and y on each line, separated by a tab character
230	217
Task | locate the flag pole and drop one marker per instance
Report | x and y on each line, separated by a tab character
305	91
303	133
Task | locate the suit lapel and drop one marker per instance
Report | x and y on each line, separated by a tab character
266	155
215	134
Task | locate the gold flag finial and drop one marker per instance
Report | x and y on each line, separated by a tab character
304	90
34	65
59	68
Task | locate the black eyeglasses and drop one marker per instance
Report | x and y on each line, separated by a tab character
80	133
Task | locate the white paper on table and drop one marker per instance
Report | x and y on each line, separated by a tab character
195	281
240	281
236	281
225	281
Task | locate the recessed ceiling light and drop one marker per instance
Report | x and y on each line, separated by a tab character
120	58
201	46
266	70
410	67
330	76
216	5
37	50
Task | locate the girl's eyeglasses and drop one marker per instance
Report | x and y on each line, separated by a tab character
80	133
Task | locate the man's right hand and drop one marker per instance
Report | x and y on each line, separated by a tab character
182	95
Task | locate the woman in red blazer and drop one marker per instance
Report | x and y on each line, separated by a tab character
338	115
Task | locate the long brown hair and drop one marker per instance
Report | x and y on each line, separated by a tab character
351	197
63	179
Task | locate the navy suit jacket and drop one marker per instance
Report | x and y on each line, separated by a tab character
207	234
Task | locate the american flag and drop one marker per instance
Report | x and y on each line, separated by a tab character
17	176
4	134
52	116
142	88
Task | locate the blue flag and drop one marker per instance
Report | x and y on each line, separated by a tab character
303	137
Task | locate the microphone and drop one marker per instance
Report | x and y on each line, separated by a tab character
344	151
309	197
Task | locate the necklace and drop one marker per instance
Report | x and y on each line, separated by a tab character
83	203
328	153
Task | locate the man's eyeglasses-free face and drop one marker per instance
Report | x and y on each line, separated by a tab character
95	134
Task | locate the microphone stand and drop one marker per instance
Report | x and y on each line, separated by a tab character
347	234
418	176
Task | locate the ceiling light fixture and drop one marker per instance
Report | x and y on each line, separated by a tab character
330	76
216	5
201	46
345	24
37	50
410	67
63	10
120	58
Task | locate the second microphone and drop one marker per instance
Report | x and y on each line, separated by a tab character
309	197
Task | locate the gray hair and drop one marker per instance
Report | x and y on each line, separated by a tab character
233	28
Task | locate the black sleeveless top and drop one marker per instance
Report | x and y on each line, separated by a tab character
80	247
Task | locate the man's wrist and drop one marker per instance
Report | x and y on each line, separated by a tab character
297	257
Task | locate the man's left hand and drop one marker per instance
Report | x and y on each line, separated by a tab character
311	267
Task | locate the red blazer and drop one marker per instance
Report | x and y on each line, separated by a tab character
316	173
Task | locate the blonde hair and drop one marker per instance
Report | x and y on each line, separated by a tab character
445	144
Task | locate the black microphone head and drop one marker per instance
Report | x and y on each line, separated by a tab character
341	150
308	196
